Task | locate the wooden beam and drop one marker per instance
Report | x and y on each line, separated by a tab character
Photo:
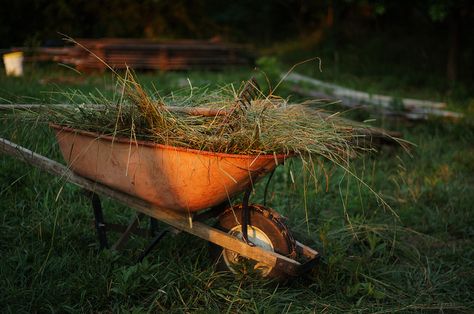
410	113
380	100
195	111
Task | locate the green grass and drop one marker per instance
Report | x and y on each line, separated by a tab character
372	262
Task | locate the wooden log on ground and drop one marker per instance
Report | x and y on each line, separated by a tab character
345	102
362	97
195	111
422	111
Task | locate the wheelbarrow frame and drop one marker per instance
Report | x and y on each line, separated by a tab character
190	223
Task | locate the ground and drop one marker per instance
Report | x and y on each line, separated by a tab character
419	256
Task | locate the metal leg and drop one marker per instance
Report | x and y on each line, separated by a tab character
153	243
246	216
125	236
266	187
153	226
99	221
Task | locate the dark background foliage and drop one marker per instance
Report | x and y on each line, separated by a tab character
431	35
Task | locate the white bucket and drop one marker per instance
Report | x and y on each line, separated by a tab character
13	63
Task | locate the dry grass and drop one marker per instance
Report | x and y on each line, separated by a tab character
270	125
267	124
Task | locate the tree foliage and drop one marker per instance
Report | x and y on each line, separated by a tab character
243	20
427	32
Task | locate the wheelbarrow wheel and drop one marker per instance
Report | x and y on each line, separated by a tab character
266	229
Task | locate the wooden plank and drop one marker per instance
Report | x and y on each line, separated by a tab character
345	102
411	113
196	111
147	54
175	219
381	100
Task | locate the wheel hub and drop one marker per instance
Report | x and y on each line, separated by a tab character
256	236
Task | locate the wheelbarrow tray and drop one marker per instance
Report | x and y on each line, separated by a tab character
180	179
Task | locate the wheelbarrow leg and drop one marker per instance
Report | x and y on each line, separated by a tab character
99	222
125	236
153	226
246	216
266	187
153	243
158	236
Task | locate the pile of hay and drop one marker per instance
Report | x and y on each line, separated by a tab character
269	124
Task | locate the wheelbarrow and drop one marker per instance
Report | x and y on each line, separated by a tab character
183	188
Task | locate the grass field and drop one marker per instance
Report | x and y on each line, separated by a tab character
373	261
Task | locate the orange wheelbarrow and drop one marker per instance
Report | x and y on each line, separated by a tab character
183	188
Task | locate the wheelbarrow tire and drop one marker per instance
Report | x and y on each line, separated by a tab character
270	227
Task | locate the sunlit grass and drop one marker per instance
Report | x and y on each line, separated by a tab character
371	261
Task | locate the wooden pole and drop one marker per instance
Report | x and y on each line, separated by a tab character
195	111
413	109
337	91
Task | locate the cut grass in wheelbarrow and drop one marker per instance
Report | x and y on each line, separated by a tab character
213	127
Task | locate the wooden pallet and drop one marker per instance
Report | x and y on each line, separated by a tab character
142	54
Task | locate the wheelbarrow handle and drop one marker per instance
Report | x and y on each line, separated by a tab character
312	259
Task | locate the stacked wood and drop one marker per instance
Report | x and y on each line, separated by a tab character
42	54
143	54
412	109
